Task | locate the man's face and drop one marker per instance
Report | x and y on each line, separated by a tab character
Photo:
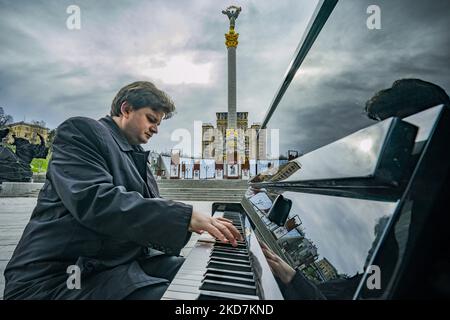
140	125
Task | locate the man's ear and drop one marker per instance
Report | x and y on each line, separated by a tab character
125	109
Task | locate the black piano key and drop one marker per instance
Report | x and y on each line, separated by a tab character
227	260
234	213
231	279
230	255
240	262
228	245
227	287
231	216
242	274
240	244
230	250
228	266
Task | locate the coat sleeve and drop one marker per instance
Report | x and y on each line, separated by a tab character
301	288
80	175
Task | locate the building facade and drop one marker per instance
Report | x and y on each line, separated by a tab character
327	270
28	131
247	146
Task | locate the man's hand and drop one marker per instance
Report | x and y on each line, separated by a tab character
278	266
220	228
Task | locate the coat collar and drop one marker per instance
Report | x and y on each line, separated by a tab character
118	136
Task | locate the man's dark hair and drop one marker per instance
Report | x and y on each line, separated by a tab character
142	94
404	98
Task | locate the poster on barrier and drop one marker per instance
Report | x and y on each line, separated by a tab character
174	171
196	174
232	170
245	174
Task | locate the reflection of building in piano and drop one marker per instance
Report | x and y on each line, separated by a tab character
293	154
299	248
285	171
307	252
327	270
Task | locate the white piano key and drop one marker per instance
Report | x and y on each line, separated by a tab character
185	282
227	295
174	295
187	276
192	272
183	288
229	264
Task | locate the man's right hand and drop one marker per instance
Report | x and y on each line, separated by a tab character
220	228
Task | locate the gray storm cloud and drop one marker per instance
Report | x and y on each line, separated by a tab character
50	73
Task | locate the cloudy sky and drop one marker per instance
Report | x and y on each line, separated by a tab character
50	73
349	63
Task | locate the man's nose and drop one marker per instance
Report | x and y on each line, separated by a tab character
154	129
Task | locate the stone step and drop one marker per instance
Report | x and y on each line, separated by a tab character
204	183
184	193
201	192
190	195
199	196
19	189
235	200
165	187
193	190
196	190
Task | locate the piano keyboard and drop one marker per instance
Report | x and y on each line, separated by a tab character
217	270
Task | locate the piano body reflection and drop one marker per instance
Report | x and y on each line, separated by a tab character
369	199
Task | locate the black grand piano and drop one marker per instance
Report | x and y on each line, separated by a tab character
372	203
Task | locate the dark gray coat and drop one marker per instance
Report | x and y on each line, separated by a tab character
99	209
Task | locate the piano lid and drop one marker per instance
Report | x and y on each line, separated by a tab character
425	121
380	151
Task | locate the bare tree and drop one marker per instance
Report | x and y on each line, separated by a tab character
40	123
5	118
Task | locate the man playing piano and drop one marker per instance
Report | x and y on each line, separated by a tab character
100	230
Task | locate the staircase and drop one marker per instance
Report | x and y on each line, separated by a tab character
203	190
183	190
